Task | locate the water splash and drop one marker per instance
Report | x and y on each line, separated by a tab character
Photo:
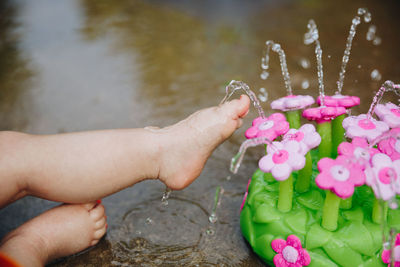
386	87
371	34
271	45
217	201
237	85
363	12
310	37
165	197
237	159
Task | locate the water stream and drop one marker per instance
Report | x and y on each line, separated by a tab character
271	45
356	21
310	37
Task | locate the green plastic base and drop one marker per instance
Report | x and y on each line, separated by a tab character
356	242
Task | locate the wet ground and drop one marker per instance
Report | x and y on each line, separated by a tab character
95	64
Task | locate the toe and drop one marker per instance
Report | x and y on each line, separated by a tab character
99	233
100	223
90	205
97	212
237	108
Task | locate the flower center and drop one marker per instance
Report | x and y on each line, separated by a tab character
361	153
395	111
338	96
280	157
290	254
366	124
265	125
387	175
340	173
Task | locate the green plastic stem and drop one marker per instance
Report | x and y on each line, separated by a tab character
293	117
379	211
337	133
325	131
285	194
346	203
330	211
304	177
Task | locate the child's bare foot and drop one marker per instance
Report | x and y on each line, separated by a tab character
188	144
59	232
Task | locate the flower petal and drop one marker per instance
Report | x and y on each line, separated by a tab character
294	241
278	245
304	257
281	171
324	180
346	149
279	261
266	163
343	189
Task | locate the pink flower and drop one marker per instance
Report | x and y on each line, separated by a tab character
389	113
339	175
361	126
339	100
282	158
386	253
323	114
292	102
359	150
391	145
245	195
306	136
270	127
383	176
290	252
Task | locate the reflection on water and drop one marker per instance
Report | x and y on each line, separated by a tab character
89	64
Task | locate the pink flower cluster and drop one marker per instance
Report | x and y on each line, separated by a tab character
323	114
362	126
386	253
389	113
306	136
338	100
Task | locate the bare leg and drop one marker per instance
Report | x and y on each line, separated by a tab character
82	167
59	232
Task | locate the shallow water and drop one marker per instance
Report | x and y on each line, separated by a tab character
84	65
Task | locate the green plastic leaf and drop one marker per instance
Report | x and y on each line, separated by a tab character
262	198
246	226
354	215
311	199
394	218
317	237
376	233
269	178
265	214
318	260
342	254
297	221
263	247
357	236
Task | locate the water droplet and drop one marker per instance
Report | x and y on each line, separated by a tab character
377	41
375	75
213	218
262	90
356	20
228	178
329	56
210	231
264	75
305	84
359	66
138	232
149	221
371	32
305	63
367	17
276	48
262	98
165	197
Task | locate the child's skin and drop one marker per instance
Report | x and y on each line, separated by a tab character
82	167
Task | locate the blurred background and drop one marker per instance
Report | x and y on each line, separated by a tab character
77	65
